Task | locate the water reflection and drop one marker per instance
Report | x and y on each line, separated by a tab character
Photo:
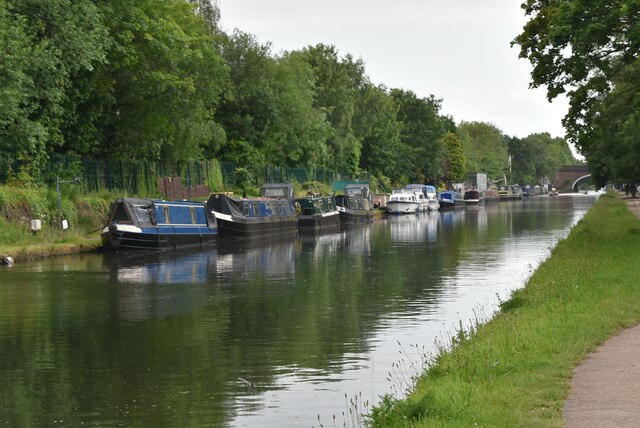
414	228
184	267
254	333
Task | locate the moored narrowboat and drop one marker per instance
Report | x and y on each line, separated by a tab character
473	196
317	212
510	192
450	199
271	213
354	205
156	225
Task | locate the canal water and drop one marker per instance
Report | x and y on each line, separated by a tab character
260	334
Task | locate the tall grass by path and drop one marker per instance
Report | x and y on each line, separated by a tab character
515	370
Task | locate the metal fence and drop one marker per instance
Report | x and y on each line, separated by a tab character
141	177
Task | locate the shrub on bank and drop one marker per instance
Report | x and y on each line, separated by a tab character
18	206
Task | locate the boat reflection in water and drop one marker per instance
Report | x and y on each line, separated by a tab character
184	267
161	284
240	257
414	229
243	258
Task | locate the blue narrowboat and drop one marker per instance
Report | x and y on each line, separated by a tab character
271	213
450	199
156	225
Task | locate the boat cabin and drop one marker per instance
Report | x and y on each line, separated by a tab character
277	191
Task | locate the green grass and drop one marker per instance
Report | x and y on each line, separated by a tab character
515	370
18	206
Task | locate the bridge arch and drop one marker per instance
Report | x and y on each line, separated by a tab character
574	187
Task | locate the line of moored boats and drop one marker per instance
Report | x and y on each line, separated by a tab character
136	223
157	224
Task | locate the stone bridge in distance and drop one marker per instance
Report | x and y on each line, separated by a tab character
569	176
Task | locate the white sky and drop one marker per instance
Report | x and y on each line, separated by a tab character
457	50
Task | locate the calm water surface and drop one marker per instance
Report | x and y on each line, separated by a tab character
258	334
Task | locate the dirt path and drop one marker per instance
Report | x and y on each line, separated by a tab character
605	390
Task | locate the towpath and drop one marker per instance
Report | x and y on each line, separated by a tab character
605	390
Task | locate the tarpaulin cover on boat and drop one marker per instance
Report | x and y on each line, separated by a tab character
251	210
140	212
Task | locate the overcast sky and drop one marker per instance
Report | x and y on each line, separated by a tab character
457	50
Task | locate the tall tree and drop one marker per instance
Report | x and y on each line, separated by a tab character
522	161
485	147
299	132
338	81
268	110
454	167
586	50
157	95
45	47
376	125
421	132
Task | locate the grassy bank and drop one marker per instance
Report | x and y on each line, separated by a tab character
85	214
516	369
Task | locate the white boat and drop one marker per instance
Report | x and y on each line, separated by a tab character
405	201
430	195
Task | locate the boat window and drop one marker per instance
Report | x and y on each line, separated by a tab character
255	209
245	208
120	214
167	218
192	211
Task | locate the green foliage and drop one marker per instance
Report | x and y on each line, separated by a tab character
18	206
45	48
538	156
485	147
159	81
337	84
268	111
243	179
215	182
316	187
377	126
589	50
421	152
454	163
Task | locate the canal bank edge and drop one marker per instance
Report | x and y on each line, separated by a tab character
35	252
515	370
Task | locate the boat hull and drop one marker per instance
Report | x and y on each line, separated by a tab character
353	216
243	228
124	237
254	217
321	221
401	207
